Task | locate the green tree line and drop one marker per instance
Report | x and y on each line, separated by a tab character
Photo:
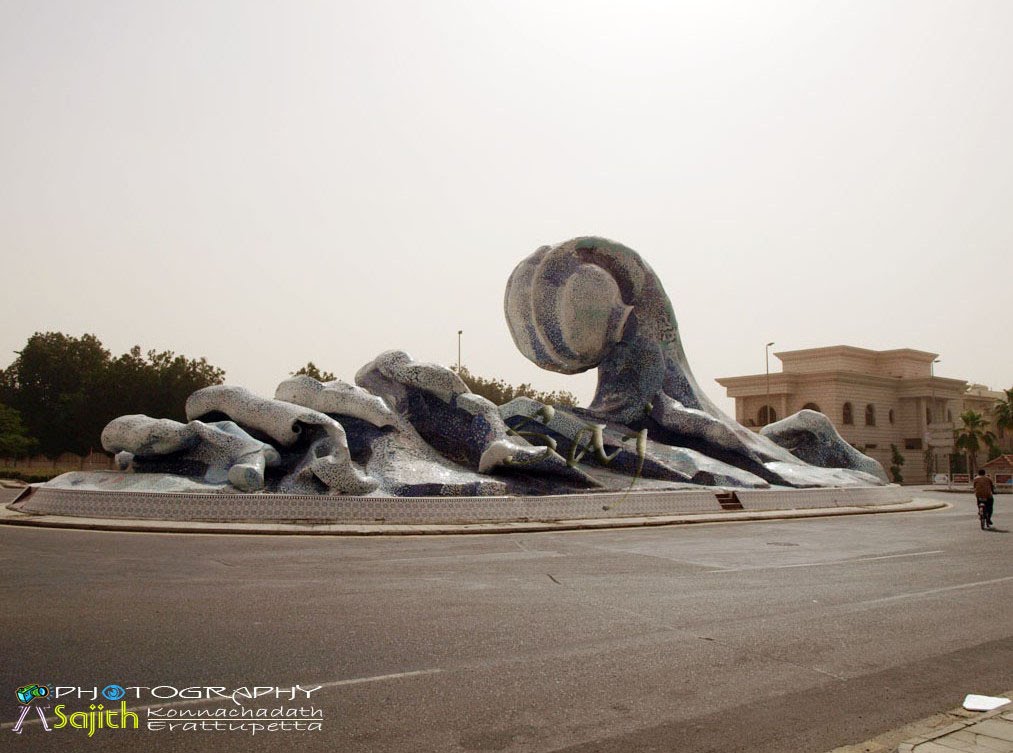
61	391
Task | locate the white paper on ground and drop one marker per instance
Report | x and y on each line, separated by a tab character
983	702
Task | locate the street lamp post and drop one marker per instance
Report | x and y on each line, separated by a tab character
459	333
932	402
766	363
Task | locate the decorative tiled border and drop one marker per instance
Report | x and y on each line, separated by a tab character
348	509
801	499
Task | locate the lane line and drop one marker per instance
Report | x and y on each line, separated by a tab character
378	678
826	564
228	699
527	554
933	591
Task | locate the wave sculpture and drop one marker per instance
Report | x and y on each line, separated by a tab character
591	302
407	428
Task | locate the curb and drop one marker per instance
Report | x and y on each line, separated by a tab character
907	738
912	744
968	490
12	517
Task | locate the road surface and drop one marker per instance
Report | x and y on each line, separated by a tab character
794	635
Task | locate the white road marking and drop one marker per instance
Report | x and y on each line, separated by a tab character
461	557
377	678
825	564
932	591
228	699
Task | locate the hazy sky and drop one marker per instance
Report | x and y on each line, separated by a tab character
267	183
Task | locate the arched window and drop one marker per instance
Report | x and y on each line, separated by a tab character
891	415
949	416
849	417
870	415
811	406
766	415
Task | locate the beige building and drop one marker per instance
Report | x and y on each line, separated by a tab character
874	398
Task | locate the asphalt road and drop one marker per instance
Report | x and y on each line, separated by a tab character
794	636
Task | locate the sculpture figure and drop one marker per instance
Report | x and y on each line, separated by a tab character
591	302
408	428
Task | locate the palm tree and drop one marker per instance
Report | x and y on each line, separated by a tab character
1004	413
970	437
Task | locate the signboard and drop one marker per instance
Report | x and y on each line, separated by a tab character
1005	479
941	478
961	478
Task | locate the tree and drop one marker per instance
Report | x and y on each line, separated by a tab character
311	370
156	384
499	392
53	384
1003	413
67	389
14	441
896	460
970	437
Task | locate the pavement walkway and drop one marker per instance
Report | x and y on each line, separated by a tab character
989	733
954	730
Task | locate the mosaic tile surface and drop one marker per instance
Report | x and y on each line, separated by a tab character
414	430
233	507
319	508
812	498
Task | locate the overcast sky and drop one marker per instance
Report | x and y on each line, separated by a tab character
267	183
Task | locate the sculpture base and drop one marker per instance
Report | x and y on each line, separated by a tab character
278	508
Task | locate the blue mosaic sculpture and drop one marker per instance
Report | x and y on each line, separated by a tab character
414	429
591	302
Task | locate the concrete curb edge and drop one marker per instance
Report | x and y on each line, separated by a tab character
12	517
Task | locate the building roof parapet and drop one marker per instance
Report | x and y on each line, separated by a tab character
919	355
903	362
983	391
937	387
755	384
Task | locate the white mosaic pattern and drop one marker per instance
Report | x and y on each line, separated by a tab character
349	509
286	507
803	499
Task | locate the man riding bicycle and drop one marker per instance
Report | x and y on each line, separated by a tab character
984	492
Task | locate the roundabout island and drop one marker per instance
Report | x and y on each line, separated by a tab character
408	448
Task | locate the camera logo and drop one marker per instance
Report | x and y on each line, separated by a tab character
28	693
